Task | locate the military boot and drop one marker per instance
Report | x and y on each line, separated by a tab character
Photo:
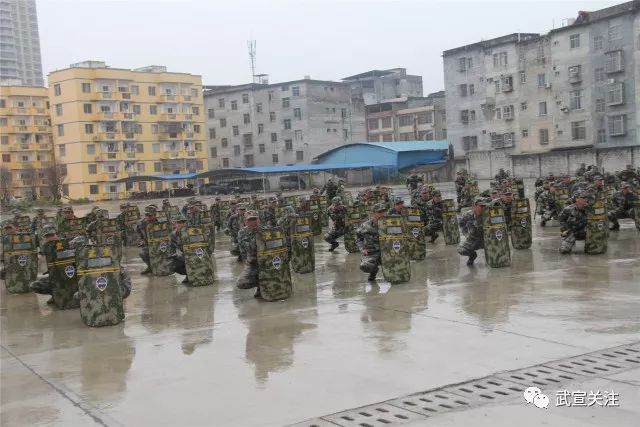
334	245
472	258
434	236
372	277
147	271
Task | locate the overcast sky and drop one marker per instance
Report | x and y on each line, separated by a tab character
326	39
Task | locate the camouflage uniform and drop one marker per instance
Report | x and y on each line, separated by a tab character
234	224
268	216
176	254
622	207
471	225
413	182
461	180
367	239
433	214
285	223
141	230
331	188
338	213
573	224
215	214
549	206
249	252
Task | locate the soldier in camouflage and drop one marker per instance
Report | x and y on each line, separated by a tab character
413	181
466	198
193	216
597	189
460	181
573	222
421	202
92	227
67	214
338	213
506	201
622	201
234	225
536	195
249	277
141	229
93	215
398	205
331	188
433	211
285	223
547	201
8	228
175	248
368	241
268	214
215	214
471	226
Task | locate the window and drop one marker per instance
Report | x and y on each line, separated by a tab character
245	98
212	133
285	88
373	123
285	102
140	167
386	122
298	135
614	62
543	136
6	158
225	163
196	128
274	158
542	80
299	156
465	64
523	77
599	105
247	140
601	136
288	144
136	109
155	148
221	102
60	130
153	109
223	123
213	151
472	115
500	59
406	120
157	167
576	99
507	112
234	105
236	130
462	89
575	73
599	74
598	42
93	189
578	130
270	93
615	94
287	123
58	109
497	83
507	84
616	125
86	87
261	148
295	91
88	128
525	133
470	143
260	128
246	119
272	116
574	41
211	113
523	106
92	168
498	113
56	90
274	137
259	107
236	150
87	108
224	142
4	140
614	32
151	90
542	108
135	89
297	113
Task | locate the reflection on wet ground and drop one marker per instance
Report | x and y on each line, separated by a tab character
216	356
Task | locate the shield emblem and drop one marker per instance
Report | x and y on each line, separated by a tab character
22	260
315	216
199	252
101	283
600	225
163	247
415	231
524	222
396	245
305	243
452	220
110	240
499	234
70	271
277	262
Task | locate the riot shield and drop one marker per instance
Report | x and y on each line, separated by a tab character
274	276
316	214
172	213
450	227
21	262
161	216
44	221
131	218
158	237
416	243
518	188
394	249
197	258
23	224
496	237
72	228
561	196
302	250
521	224
63	276
352	222
597	229
107	233
99	288
209	229
324	216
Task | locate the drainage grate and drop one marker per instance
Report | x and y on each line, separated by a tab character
588	365
624	355
373	416
314	422
487	390
539	376
431	402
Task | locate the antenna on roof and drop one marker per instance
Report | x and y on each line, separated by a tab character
251	44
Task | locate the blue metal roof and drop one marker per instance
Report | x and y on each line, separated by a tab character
176	176
401	146
313	167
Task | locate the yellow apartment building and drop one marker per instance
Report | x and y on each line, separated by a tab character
110	124
26	145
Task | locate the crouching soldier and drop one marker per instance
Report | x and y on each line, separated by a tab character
338	213
175	248
573	223
433	213
249	278
471	225
368	241
623	204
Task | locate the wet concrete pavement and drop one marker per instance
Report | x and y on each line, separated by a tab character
216	356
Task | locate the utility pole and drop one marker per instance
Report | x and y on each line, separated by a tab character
251	45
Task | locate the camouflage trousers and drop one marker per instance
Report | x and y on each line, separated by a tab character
369	263
144	254
432	227
234	249
549	214
469	247
620	213
3	273
178	265
42	285
249	276
569	241
334	234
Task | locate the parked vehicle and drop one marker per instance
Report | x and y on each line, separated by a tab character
220	188
291	182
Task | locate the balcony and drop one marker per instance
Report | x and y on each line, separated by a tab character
129	136
575	78
167	155
130	154
27	165
104	136
109	115
128	116
188	116
168	97
30	147
42	129
20	111
106	95
169	135
188	135
186	98
168	117
39	111
106	176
